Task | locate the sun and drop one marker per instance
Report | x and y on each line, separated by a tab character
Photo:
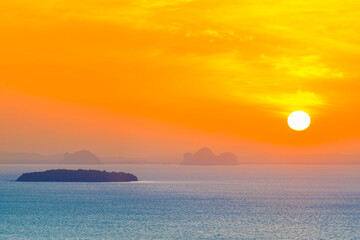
299	120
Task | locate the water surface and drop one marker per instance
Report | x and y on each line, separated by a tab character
180	202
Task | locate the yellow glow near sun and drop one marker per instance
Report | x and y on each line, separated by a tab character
299	120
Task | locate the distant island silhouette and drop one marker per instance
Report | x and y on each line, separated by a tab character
206	157
63	175
85	157
80	157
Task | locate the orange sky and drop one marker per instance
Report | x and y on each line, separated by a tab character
158	77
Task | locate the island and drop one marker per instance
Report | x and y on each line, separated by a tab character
80	157
206	157
80	175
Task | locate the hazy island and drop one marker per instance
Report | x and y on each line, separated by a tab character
206	157
80	157
63	175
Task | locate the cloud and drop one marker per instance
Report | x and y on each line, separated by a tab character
288	102
304	67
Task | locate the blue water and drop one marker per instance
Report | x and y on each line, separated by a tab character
178	202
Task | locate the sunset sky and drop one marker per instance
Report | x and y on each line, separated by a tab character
158	77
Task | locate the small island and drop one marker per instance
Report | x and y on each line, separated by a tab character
64	175
206	157
80	157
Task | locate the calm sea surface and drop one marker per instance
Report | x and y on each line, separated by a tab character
178	202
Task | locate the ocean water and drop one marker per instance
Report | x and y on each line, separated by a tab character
180	202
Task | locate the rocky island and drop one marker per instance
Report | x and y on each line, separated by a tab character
80	157
63	175
206	157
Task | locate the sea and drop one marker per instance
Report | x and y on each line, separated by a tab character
185	202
